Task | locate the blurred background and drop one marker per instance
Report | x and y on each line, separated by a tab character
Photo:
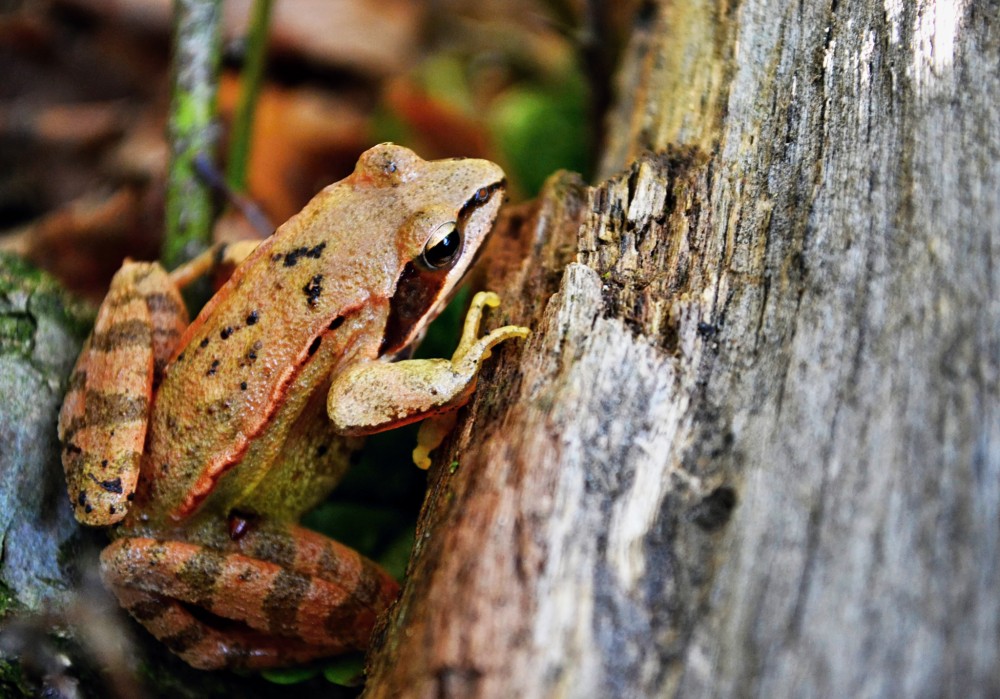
85	88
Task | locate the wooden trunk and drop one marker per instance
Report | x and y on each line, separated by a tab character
752	447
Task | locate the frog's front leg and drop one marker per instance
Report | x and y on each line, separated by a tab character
375	396
278	595
102	424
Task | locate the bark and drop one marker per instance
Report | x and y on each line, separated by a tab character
752	446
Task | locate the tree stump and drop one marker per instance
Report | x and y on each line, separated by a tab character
752	446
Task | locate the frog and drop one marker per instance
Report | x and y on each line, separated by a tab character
200	444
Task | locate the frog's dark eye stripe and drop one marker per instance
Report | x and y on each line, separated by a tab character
479	198
416	293
420	285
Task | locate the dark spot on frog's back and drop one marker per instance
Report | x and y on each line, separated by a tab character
314	345
222	408
253	350
313	290
292	257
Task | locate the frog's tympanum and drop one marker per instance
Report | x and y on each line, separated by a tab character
205	442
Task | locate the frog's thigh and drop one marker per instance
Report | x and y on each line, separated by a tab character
168	315
367	587
205	647
294	585
102	425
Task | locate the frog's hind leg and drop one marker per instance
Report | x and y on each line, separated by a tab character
283	584
212	644
102	424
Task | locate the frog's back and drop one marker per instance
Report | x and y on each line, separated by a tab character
314	295
268	339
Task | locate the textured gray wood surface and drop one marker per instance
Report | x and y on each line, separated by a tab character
753	445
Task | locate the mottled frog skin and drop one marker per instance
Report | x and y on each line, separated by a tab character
204	442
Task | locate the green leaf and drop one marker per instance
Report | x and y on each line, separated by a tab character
291	675
541	129
347	670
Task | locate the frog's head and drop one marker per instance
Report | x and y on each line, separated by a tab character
451	207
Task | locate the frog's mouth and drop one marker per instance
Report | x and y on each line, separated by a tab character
422	293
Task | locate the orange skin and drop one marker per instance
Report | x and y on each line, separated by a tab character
205	442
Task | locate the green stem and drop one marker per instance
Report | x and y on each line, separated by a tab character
191	127
253	71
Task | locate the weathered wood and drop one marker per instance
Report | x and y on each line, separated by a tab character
753	445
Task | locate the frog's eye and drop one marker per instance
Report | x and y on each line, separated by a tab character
443	246
482	194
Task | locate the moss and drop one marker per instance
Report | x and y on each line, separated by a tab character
12	682
26	293
17	333
8	602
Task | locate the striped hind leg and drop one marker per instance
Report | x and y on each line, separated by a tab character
281	584
212	644
102	424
